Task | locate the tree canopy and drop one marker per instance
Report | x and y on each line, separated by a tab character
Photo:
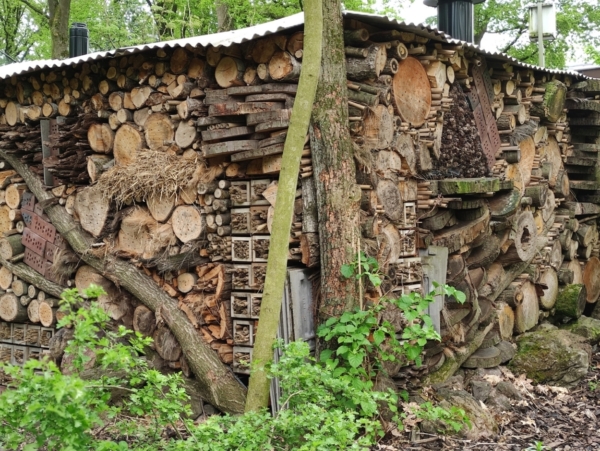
576	23
30	30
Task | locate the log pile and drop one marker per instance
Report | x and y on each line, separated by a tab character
170	159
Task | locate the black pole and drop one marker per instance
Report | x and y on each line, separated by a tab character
456	17
78	39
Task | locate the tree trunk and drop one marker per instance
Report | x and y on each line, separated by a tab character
223	17
258	392
59	27
215	381
338	196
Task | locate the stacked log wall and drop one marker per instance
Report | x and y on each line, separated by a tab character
453	150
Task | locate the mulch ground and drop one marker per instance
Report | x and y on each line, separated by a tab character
562	421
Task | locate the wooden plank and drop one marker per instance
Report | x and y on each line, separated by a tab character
586	147
584	131
228	147
592	120
206	121
273	140
271	126
272	97
277	115
581	161
591	87
469	186
457	236
586	105
212	135
587	185
257	153
237	108
46	151
258	89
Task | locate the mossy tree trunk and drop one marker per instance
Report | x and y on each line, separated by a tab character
270	311
59	27
338	195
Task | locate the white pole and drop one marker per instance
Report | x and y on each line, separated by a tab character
540	27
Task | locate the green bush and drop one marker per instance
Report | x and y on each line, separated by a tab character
327	404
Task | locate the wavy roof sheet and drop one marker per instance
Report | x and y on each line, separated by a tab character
247	34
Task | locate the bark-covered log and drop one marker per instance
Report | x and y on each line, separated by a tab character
571	302
216	382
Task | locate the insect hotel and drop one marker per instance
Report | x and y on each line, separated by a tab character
480	172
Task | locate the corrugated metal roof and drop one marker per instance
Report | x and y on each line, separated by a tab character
228	38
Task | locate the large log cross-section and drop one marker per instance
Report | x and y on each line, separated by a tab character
216	383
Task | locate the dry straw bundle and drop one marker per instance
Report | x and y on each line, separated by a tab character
153	173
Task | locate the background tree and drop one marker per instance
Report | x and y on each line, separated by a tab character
18	32
577	22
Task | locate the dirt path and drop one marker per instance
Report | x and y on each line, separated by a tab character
562	421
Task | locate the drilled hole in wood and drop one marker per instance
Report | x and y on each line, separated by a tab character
239	222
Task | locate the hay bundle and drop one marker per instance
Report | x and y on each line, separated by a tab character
154	173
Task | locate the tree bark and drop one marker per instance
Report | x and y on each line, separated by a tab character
216	382
338	196
59	27
258	391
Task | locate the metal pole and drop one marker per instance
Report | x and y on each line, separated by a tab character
540	27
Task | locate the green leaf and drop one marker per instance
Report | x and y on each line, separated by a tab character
347	271
378	337
355	359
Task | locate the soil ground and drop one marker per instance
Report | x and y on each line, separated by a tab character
561	421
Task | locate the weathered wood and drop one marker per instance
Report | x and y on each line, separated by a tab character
128	142
571	301
188	223
92	209
591	279
411	92
553	103
368	67
11	309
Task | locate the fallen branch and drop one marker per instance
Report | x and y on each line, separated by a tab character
216	382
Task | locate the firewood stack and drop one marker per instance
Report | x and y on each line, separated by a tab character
170	158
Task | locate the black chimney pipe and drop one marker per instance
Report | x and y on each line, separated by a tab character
79	37
455	17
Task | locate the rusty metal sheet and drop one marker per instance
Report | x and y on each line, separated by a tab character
27	201
43	228
33	241
35	261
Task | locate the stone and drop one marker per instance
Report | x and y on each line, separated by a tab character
499	402
507	351
508	390
481	389
483	424
552	356
586	327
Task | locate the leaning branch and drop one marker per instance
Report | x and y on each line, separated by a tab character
215	381
36	9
